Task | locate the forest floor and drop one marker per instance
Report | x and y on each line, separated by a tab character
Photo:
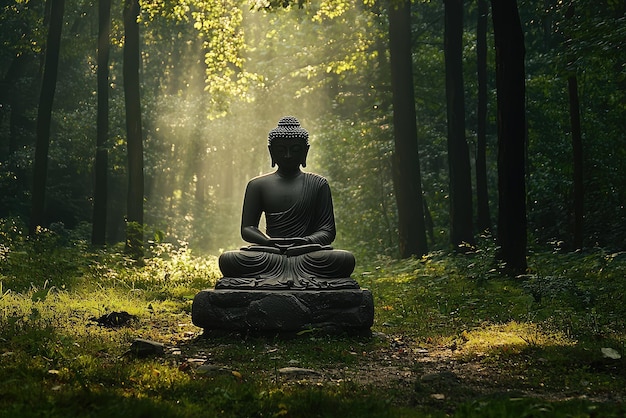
452	336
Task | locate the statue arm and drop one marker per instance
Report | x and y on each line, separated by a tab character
251	215
254	235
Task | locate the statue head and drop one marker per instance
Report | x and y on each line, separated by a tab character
288	143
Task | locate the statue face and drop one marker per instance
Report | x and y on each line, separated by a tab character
289	154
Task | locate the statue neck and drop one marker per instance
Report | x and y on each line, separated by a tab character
288	174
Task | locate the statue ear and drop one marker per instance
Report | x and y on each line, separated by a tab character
271	156
306	152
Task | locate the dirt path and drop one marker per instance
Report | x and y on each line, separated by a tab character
446	377
412	375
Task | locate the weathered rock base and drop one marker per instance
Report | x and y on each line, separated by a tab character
350	310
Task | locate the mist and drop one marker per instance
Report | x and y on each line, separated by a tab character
211	138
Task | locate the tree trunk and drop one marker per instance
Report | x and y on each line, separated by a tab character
483	220
134	203
407	177
509	41
98	234
577	148
44	114
461	230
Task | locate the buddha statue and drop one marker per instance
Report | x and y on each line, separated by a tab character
294	252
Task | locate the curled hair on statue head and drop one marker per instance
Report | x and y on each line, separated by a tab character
288	128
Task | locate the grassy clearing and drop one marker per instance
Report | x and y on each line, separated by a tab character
452	337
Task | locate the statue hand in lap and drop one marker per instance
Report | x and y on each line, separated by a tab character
299	218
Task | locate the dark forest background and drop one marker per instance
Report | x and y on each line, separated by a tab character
176	147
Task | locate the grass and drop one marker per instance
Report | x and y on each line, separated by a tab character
452	337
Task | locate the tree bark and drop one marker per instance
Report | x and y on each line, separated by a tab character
98	233
510	83
483	220
461	212
134	204
44	114
407	177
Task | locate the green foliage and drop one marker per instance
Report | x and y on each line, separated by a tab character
357	160
574	38
134	240
216	76
45	260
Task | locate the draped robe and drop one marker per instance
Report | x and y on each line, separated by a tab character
314	265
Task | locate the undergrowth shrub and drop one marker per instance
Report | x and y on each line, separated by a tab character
49	258
168	271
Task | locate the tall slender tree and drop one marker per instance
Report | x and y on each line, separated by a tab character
461	223
134	141
483	218
98	234
407	176
577	145
44	113
511	91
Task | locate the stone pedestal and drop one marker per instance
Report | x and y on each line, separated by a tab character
283	310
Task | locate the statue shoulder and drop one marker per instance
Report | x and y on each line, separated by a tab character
259	181
315	178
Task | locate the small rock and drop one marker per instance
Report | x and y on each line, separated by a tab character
145	348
